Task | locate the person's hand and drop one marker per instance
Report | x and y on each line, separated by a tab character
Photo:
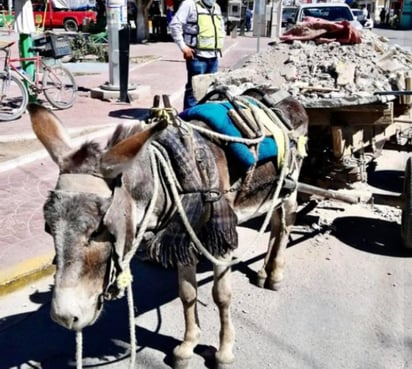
188	53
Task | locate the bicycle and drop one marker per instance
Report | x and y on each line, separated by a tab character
55	81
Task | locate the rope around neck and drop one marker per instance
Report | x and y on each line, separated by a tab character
127	279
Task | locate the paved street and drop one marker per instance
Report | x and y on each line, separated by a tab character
344	305
401	38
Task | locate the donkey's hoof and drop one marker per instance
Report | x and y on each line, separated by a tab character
273	285
223	365
224	359
260	282
181	363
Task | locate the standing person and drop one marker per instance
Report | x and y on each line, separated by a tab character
131	13
249	15
365	12
198	30
382	16
248	19
169	11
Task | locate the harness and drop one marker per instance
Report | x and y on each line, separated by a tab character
284	182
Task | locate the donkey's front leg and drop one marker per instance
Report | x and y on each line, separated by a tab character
222	295
188	295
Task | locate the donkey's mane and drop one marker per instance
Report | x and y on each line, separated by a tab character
86	159
83	160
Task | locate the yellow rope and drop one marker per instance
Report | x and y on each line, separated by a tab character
124	279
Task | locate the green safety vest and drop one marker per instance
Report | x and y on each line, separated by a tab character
205	32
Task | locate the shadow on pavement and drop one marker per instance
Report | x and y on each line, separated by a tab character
30	339
389	180
133	113
375	236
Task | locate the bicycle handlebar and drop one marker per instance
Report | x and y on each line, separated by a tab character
37	48
4	45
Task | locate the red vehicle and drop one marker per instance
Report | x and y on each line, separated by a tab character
48	16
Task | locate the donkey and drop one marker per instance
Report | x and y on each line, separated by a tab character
105	197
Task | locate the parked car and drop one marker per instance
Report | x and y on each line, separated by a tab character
333	12
70	19
288	14
366	23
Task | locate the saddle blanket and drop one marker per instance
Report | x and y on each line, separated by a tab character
216	116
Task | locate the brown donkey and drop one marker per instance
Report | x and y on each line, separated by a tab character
149	184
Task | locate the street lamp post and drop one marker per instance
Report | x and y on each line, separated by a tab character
114	20
116	11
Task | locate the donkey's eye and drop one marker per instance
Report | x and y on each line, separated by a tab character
97	233
94	235
47	228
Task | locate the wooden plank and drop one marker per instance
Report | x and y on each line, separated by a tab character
338	143
407	100
355	138
373	114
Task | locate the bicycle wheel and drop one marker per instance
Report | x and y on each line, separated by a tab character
14	97
59	87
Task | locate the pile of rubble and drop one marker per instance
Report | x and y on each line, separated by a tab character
326	75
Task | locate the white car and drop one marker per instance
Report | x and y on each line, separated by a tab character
367	23
333	12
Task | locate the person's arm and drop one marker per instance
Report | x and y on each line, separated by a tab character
222	23
176	28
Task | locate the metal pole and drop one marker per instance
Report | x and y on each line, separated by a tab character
24	25
259	14
124	46
113	13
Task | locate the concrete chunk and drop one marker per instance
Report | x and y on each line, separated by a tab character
345	72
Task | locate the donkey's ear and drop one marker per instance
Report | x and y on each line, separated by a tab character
115	160
49	131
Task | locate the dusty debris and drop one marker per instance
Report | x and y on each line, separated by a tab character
325	75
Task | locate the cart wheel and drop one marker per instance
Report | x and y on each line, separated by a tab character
406	225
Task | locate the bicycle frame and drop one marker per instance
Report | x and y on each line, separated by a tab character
50	78
33	84
11	64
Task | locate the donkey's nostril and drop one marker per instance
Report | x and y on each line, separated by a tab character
66	321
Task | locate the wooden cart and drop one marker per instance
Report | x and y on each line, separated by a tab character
345	140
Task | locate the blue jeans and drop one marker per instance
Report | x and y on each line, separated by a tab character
194	67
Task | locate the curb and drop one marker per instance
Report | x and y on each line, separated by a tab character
16	277
40	154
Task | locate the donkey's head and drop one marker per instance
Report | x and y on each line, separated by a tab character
90	215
